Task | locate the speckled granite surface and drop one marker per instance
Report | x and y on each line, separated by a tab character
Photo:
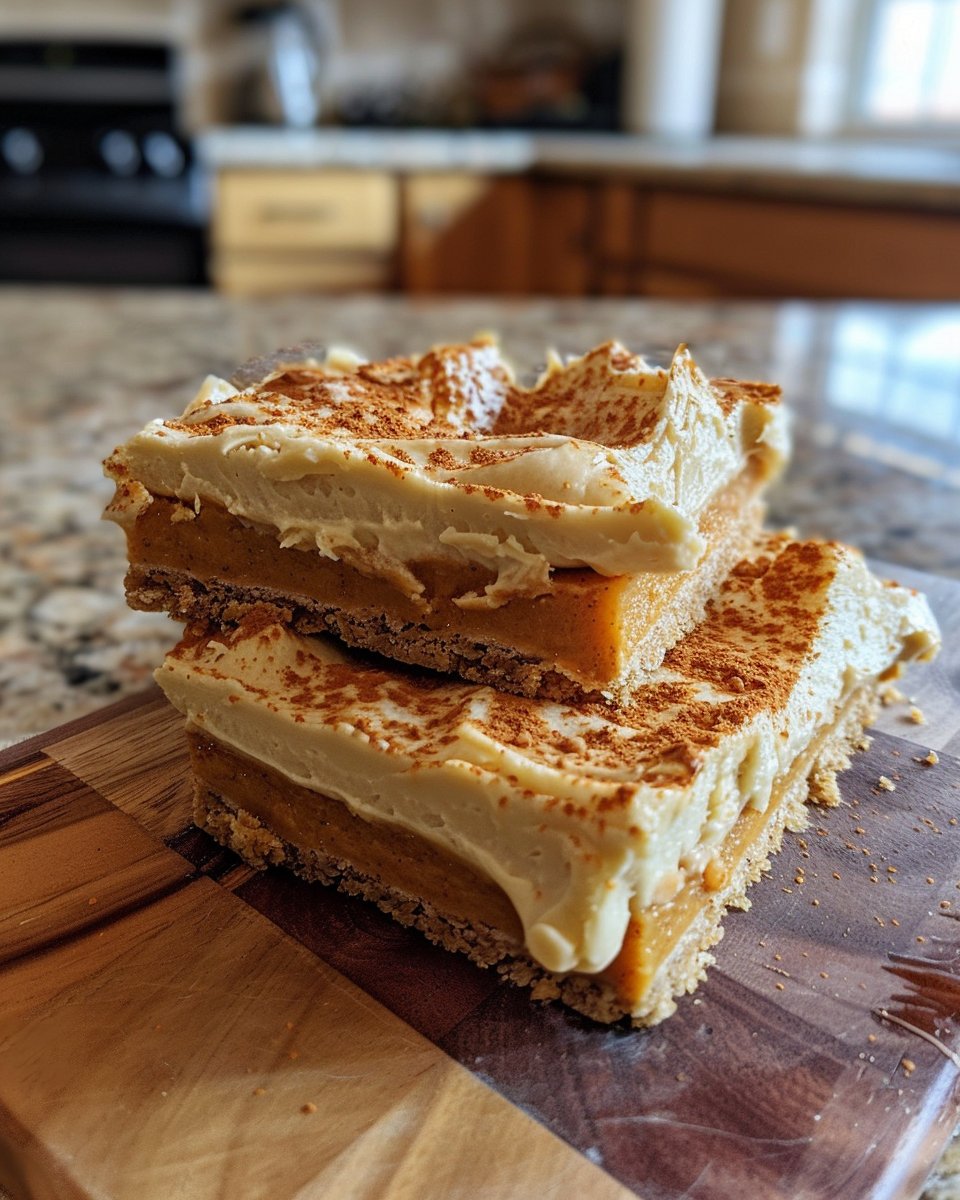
875	388
81	370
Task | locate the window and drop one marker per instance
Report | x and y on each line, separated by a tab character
911	65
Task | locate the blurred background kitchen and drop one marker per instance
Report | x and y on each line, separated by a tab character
674	148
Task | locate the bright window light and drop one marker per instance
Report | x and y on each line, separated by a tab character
912	68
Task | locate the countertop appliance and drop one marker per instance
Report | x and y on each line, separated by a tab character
97	185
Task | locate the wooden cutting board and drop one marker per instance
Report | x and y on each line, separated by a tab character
173	1024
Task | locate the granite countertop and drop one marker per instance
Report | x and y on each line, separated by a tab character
854	171
875	389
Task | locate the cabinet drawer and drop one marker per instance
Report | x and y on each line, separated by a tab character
313	210
271	273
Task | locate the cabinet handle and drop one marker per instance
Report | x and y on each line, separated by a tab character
272	213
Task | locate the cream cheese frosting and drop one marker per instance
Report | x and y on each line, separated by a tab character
606	462
581	815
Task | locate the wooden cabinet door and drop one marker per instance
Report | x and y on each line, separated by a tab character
465	232
563	235
746	246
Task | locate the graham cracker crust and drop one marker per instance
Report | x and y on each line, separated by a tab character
813	779
212	602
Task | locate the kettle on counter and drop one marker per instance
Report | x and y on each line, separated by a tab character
288	53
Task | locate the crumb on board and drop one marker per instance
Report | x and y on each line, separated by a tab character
916	716
309	1107
886	784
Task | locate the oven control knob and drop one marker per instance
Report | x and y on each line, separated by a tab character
21	150
120	152
163	154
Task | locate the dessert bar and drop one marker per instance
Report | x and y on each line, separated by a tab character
555	540
588	851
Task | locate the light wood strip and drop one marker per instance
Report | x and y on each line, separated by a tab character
139	1070
70	861
136	761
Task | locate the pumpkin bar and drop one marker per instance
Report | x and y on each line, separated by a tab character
554	539
588	851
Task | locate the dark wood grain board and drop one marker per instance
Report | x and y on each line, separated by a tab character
166	1013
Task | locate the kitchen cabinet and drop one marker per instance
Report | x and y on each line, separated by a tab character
276	230
465	232
662	241
696	244
566	235
513	235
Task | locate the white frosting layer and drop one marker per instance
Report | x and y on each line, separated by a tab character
605	463
580	815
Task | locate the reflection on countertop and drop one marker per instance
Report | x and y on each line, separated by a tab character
875	389
877	393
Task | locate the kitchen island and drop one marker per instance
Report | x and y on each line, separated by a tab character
875	390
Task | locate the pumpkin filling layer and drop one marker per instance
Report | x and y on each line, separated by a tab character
596	630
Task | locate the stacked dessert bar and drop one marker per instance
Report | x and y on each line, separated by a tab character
518	664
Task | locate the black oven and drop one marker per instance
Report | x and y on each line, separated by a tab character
97	182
